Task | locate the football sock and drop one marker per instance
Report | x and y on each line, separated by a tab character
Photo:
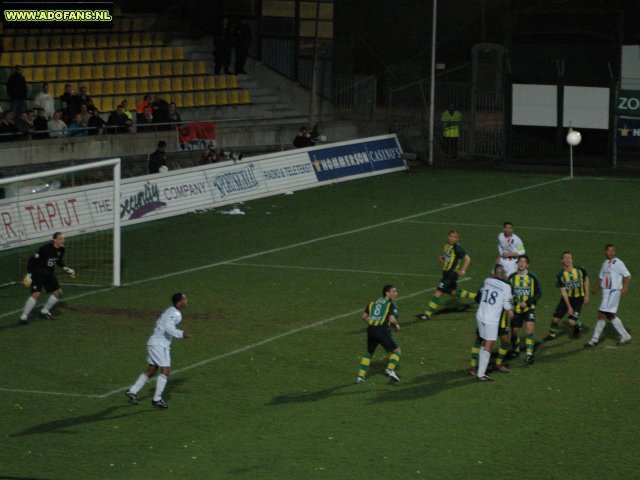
597	331
28	306
475	350
515	343
530	343
617	324
502	351
433	305
365	361
554	328
160	384
140	382
483	362
50	303
465	294
394	359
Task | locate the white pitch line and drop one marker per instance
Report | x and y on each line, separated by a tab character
343	270
312	241
521	227
226	354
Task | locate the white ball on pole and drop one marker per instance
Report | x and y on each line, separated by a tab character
574	138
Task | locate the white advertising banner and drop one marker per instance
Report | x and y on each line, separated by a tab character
32	218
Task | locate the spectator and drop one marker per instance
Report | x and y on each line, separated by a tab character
158	158
84	111
242	42
78	127
127	112
118	122
211	155
96	123
146	120
146	100
174	116
303	139
57	127
8	129
17	90
222	44
24	125
45	100
67	94
160	111
40	124
67	116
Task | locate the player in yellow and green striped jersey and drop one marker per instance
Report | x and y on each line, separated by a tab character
526	293
451	258
573	283
379	316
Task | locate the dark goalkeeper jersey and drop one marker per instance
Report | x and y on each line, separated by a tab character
45	259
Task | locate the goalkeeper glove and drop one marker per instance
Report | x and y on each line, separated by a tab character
27	281
70	271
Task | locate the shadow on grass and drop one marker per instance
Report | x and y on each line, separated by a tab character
312	396
426	385
65	425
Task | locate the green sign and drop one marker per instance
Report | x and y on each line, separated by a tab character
628	103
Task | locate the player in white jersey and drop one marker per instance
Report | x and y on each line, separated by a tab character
510	247
159	349
614	281
493	297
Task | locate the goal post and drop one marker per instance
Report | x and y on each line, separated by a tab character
33	209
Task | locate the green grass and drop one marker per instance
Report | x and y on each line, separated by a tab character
266	388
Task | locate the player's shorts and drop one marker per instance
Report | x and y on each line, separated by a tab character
576	304
488	330
47	281
520	318
610	300
159	356
510	265
380	335
503	326
448	282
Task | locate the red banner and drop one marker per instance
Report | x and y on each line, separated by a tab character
196	135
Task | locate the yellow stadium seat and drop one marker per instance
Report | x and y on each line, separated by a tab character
122	55
101	40
200	67
99	56
16	58
55	42
124	24
67	42
120	87
64	57
210	82
32	43
74	72
143	70
221	82
178	53
176	84
188	68
136	39
177	68
28	74
110	71
122	70
98	71
145	54
165	84
234	98
5	60
43	42
222	98
134	54
146	39
187	100
143	86
90	41
41	58
38	74
157	39
28	58
200	99
76	57
187	83
63	73
87	57
132	70
232	81
51	73
19	43
78	41
198	83
96	88
107	87
111	55
155	70
86	72
125	39
7	44
166	53
244	97
154	85
137	24
212	99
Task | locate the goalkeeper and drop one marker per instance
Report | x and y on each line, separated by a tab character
41	274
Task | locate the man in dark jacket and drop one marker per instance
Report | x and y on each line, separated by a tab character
158	158
17	90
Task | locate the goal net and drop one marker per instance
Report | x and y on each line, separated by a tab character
82	202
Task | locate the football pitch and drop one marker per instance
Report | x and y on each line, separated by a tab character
265	388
